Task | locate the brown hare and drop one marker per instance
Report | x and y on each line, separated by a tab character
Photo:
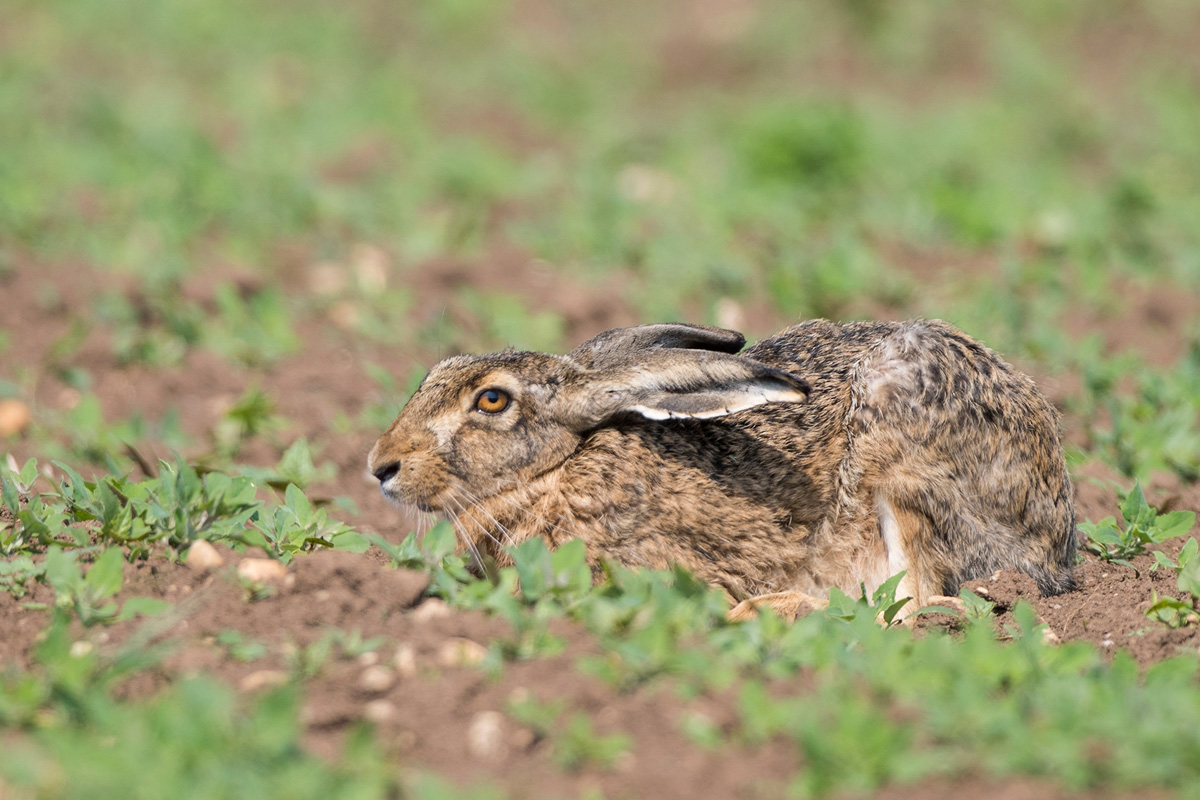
826	455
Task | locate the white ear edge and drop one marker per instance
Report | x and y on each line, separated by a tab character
748	399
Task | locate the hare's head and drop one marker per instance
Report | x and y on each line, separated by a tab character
479	425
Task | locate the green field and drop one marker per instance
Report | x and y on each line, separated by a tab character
234	235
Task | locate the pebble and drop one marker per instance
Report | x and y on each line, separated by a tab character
460	652
379	711
15	417
263	679
376	679
485	736
405	660
262	570
431	609
202	556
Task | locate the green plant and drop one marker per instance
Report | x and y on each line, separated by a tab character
1141	526
295	467
1156	426
882	603
253	414
239	647
1183	611
576	745
297	526
975	608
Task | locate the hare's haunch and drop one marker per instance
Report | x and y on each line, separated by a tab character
827	455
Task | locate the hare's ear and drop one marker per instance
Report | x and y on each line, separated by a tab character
624	345
677	384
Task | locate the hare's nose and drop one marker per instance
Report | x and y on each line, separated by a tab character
386	472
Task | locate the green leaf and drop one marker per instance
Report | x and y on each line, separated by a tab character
62	571
351	541
1134	508
1179	672
887	590
106	575
143	606
29	472
9	494
1189	577
1176	523
891	611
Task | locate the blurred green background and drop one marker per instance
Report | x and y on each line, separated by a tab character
993	163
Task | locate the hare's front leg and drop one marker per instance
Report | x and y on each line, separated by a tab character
788	605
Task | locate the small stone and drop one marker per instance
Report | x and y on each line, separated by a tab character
263	679
81	648
485	736
368	659
327	278
405	660
344	314
262	570
15	417
376	679
202	556
460	652
431	609
1107	643
1049	636
379	711
371	264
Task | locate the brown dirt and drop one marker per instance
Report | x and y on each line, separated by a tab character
435	709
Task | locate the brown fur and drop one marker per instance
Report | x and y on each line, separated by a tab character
827	455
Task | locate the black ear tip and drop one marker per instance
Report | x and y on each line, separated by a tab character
793	381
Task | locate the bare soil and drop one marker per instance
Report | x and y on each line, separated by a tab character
436	708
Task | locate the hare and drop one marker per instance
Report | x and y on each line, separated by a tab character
826	455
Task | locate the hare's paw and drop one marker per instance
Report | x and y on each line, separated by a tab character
788	605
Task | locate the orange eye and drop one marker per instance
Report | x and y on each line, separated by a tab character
492	401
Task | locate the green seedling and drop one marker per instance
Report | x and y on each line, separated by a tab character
435	552
87	595
239	647
295	466
881	604
252	415
352	644
1141	527
1177	613
975	608
577	745
298	526
1172	612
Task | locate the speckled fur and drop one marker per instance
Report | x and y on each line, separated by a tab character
917	448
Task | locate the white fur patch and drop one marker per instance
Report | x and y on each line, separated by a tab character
891	369
732	403
889	528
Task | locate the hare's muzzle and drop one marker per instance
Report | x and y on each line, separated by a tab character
385	472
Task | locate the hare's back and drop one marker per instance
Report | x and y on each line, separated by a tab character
923	367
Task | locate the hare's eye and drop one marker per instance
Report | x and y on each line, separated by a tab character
492	401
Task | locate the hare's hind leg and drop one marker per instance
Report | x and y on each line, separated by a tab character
789	605
907	534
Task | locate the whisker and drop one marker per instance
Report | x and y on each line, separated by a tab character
472	548
538	517
477	505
